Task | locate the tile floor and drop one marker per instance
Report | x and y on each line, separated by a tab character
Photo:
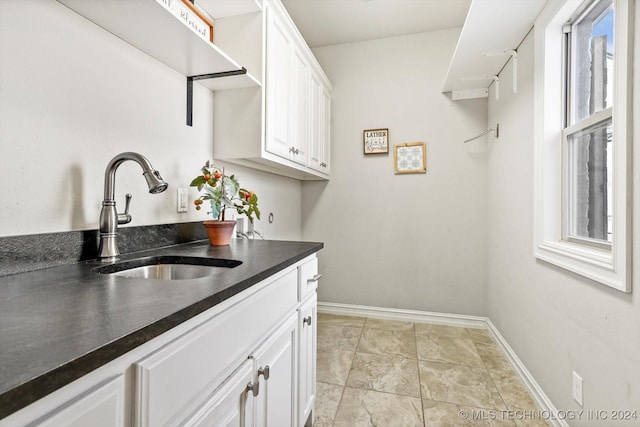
388	373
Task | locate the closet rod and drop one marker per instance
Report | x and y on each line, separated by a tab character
496	129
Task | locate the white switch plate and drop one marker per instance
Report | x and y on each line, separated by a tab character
183	199
577	388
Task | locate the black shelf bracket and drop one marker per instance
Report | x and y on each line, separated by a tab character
190	80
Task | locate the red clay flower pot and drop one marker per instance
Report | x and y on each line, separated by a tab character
220	232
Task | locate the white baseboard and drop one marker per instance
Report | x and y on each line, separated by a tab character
476	322
537	394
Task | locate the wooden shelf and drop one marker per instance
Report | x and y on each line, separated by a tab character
149	27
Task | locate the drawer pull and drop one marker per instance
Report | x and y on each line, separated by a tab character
306	320
254	388
314	278
264	372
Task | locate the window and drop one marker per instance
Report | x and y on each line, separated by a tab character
582	138
587	135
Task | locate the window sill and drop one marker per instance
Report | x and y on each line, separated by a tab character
593	263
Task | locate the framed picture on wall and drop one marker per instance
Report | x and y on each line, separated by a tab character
376	141
410	157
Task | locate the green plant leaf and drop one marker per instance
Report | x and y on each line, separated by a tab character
225	193
197	181
215	210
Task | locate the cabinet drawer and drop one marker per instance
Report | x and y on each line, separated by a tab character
175	380
308	278
102	406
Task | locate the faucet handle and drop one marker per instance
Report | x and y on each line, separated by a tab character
127	202
125	218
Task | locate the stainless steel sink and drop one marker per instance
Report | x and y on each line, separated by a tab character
168	267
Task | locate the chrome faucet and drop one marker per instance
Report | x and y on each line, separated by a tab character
109	216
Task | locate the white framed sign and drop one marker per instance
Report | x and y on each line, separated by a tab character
376	141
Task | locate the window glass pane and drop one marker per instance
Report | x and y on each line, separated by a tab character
592	70
590	183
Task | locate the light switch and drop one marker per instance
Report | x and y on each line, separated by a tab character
183	199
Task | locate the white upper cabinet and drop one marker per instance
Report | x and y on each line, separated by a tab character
300	107
279	73
283	126
319	125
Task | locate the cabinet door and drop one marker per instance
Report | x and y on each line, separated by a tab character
307	317
278	86
325	122
315	127
320	105
231	405
275	363
300	108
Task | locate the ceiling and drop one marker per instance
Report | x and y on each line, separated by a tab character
329	22
492	29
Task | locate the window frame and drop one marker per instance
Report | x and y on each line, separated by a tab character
609	265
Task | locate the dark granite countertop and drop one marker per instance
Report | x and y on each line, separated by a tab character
60	323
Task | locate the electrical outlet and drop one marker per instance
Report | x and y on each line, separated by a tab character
240	225
183	199
577	388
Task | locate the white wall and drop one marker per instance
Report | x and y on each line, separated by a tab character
71	97
400	241
556	322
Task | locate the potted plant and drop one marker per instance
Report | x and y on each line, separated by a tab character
223	192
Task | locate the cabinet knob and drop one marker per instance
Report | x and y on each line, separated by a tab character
264	372
253	388
294	150
306	320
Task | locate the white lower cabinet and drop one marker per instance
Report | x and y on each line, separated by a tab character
231	405
308	278
172	382
307	319
262	392
275	367
247	362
